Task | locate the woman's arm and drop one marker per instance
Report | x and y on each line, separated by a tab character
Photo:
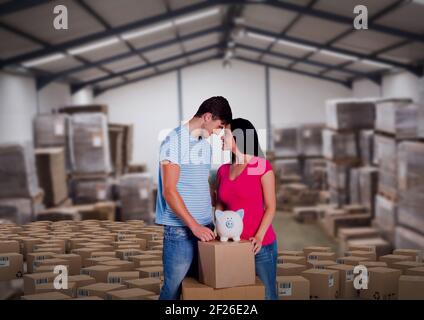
268	190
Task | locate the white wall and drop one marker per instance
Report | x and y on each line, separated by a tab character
53	96
366	89
84	96
152	106
18	105
297	99
394	85
401	85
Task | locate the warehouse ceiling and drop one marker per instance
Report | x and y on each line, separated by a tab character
111	43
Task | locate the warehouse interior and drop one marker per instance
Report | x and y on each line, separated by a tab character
83	111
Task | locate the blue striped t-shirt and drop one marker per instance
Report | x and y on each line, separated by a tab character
194	159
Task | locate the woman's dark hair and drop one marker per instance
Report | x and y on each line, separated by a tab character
246	138
218	107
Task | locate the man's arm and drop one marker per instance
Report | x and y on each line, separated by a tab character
170	176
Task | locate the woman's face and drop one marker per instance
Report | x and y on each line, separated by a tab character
227	138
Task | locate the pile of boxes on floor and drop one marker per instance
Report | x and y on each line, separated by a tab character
298	164
361	134
316	273
78	155
103	259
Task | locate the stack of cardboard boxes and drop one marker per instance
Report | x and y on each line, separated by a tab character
20	195
123	260
298	165
399	157
99	256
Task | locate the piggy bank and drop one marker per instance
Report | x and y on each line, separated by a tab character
229	224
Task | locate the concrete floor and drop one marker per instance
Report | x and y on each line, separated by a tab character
292	235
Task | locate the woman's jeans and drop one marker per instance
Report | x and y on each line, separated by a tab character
180	255
266	269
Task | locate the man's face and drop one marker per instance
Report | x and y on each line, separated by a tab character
212	126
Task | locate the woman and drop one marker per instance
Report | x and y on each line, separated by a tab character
248	183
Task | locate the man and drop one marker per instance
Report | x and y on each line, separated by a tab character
183	203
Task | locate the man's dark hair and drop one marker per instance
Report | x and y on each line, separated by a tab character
218	107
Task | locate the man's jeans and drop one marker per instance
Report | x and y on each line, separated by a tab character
180	254
266	269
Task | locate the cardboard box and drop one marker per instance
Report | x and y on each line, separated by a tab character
98	289
150	272
290	269
28	245
390	259
383	284
129	294
324	283
373	264
89	143
11	266
340	146
411	287
296	253
320	264
364	254
416	254
81	280
120	264
150	263
46	296
95	261
51	170
419	271
142	258
51	262
74	260
407	238
18	177
308	250
350	114
149	284
136	194
226	264
405	265
293	288
56	250
89	298
31	280
345	234
99	272
346	276
351	260
124	254
120	277
98	254
322	256
85	253
291	259
286	142
9	246
71	291
194	290
381	246
362	248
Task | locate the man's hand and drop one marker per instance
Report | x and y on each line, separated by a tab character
256	243
203	233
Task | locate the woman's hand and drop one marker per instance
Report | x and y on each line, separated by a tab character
257	244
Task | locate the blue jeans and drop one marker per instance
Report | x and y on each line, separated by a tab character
180	254
266	269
